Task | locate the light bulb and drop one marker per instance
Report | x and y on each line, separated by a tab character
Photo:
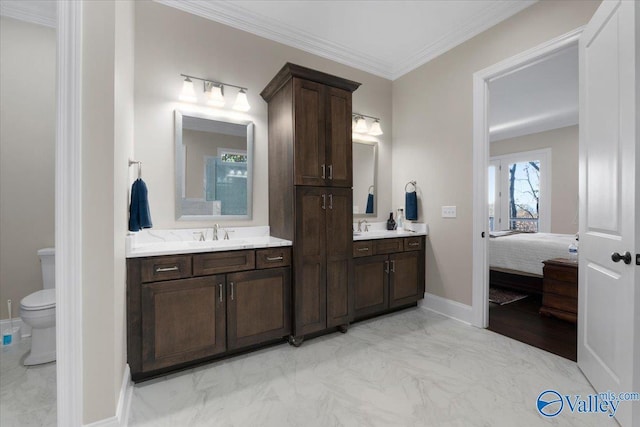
361	125
242	103
216	98
375	128
188	91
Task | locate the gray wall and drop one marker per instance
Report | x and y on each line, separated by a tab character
27	156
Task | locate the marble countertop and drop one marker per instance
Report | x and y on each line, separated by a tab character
377	230
186	241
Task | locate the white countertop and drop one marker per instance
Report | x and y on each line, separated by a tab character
152	242
377	230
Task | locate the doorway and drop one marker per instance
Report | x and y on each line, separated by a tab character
497	208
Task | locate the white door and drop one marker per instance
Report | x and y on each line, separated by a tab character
609	293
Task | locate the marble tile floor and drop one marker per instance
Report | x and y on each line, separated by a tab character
27	394
413	368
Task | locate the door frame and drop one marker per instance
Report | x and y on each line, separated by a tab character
481	80
68	215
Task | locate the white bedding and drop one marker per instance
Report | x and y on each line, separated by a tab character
526	251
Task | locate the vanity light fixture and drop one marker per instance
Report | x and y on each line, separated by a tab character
215	93
360	125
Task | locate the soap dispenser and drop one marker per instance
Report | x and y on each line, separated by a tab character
391	224
400	221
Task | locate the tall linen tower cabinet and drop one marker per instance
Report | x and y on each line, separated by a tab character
310	194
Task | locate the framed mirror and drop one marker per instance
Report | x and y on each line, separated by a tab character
365	174
214	167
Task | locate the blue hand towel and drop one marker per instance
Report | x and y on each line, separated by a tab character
369	204
411	205
139	215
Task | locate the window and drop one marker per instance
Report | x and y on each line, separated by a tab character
519	194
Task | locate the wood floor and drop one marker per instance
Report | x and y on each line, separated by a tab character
520	320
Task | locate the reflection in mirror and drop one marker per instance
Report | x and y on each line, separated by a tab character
214	159
365	161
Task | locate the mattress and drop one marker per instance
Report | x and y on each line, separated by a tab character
525	251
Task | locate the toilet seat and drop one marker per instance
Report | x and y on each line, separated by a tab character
40	300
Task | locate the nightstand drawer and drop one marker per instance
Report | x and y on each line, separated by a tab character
560	303
561	274
560	288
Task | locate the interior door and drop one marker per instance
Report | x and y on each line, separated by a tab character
608	313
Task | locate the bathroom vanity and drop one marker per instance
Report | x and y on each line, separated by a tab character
187	308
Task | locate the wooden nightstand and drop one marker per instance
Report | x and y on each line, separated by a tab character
560	289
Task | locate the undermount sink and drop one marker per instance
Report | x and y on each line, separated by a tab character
214	243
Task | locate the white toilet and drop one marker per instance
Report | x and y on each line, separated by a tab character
38	310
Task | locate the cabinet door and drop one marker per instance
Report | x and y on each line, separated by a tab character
309	289
339	237
258	306
182	320
405	282
339	144
371	285
310	166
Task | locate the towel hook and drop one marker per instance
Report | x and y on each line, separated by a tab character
371	188
136	162
408	184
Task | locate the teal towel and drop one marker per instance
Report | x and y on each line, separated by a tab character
139	215
369	204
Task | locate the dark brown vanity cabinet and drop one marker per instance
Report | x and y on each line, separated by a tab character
310	196
185	309
388	273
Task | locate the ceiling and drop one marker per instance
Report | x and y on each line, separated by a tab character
538	98
42	12
385	38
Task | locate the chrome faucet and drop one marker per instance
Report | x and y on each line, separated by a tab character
366	225
200	235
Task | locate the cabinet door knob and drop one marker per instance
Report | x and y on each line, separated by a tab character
616	257
231	291
330	200
220	291
386	267
330	171
322	167
393	266
324	201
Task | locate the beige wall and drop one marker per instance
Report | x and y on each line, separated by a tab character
107	140
564	171
433	133
27	156
170	42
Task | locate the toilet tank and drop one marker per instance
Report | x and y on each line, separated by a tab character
48	264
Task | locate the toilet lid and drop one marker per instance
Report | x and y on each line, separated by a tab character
40	300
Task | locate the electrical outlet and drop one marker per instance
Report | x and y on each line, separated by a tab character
449	212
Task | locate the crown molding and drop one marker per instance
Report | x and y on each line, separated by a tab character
34	12
488	18
238	17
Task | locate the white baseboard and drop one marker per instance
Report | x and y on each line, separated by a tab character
121	418
449	308
25	330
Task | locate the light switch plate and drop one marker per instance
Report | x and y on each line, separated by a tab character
449	212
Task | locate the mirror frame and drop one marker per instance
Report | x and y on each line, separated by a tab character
180	155
375	179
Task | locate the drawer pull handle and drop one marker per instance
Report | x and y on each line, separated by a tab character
165	269
414	244
363	249
232	291
393	266
220	291
275	258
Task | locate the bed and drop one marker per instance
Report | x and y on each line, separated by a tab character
515	259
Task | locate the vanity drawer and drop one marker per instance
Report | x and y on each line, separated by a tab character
223	262
413	243
270	258
362	248
161	268
388	246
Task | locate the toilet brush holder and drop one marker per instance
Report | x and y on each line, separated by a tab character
10	334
